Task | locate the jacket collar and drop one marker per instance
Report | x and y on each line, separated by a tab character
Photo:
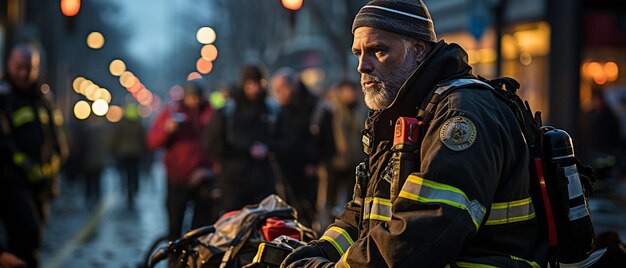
444	62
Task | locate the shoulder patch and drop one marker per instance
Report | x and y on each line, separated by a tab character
458	133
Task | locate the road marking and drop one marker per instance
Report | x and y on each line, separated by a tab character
88	228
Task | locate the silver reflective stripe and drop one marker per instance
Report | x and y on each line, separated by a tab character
422	190
339	238
509	212
458	83
398	12
377	209
578	212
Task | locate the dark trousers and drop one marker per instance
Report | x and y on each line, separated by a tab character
19	215
129	172
92	185
178	196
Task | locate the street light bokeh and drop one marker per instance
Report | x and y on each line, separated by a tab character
77	82
100	107
204	66
193	76
292	4
70	8
82	110
205	35
209	52
95	40
115	114
117	67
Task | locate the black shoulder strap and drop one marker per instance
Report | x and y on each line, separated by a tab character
446	88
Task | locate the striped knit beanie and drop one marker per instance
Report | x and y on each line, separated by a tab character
406	17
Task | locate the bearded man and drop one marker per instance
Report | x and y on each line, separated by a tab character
467	201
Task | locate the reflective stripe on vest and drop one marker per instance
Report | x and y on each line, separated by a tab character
19	158
343	262
339	238
510	212
577	212
422	190
23	115
377	209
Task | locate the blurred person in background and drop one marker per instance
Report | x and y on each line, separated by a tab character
349	116
600	133
311	123
244	136
32	148
95	149
128	149
178	130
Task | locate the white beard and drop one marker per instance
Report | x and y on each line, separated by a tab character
382	94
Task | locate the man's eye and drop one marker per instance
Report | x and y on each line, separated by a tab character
357	53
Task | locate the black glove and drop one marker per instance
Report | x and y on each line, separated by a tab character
311	250
314	262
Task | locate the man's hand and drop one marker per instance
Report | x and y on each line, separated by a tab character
314	262
302	253
9	260
170	126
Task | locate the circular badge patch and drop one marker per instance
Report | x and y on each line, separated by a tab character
458	133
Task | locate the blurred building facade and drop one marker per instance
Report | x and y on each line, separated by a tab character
557	49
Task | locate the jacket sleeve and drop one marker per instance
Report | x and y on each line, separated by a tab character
444	204
340	235
157	137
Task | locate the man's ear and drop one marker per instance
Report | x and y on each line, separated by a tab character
421	50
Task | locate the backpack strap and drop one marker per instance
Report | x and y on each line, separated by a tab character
426	115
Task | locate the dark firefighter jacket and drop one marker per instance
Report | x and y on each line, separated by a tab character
464	206
32	144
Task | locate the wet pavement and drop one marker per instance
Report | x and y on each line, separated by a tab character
109	233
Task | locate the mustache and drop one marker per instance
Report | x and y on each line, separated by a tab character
365	78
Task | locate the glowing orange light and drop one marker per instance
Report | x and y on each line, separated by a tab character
114	114
594	68
209	52
611	70
292	4
70	8
95	40
600	78
193	76
136	87
204	66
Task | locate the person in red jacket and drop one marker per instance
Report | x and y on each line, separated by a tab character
178	130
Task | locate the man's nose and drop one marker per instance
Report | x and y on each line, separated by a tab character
365	66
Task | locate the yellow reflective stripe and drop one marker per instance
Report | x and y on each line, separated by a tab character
58	117
463	264
19	158
339	238
509	212
43	116
23	115
422	190
343	261
377	208
531	263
